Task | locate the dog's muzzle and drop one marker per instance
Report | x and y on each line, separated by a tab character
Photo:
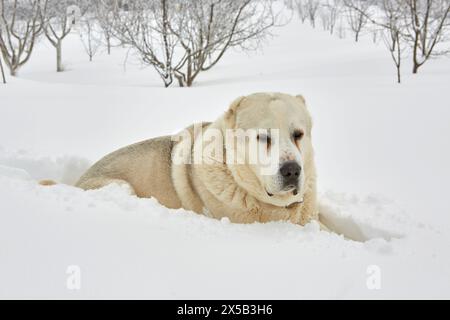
290	173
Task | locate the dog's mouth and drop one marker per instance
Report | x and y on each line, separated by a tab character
294	204
294	192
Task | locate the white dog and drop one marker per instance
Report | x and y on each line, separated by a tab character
216	168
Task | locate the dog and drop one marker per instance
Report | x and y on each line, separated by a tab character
214	177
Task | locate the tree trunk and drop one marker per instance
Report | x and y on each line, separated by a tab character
3	71
181	82
59	66
399	58
181	78
415	53
108	44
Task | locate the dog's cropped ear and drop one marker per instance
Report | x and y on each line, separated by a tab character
230	115
301	98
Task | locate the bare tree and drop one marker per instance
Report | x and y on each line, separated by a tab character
57	24
389	18
180	39
375	32
302	9
424	26
357	19
427	25
20	27
392	34
308	10
90	35
104	11
329	13
214	27
144	26
341	28
312	8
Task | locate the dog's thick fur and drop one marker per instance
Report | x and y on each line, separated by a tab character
217	190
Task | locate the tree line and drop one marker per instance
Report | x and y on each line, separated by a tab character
178	38
414	29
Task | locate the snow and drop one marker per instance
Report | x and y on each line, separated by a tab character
382	156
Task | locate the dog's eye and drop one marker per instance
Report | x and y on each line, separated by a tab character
298	134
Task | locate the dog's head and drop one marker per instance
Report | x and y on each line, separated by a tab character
279	125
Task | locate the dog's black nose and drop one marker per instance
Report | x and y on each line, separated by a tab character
290	170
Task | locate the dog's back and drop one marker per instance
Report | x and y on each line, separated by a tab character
145	167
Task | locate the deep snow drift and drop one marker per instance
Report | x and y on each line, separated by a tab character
375	141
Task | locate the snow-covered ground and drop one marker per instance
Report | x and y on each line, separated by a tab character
382	153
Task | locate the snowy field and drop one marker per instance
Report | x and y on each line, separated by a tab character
382	153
